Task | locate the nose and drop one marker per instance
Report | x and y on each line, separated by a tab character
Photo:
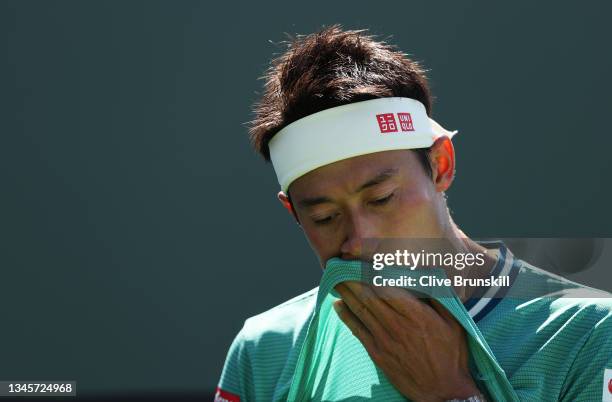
357	231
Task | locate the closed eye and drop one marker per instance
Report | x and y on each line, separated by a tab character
324	221
383	200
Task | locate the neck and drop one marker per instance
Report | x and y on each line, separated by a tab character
463	244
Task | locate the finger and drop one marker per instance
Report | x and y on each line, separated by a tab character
401	300
360	310
386	315
443	312
388	318
354	324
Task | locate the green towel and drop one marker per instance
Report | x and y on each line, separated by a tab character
334	366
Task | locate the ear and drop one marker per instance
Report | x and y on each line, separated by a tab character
442	157
284	200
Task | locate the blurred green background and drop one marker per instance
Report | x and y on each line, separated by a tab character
138	229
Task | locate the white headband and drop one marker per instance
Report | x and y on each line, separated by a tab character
346	131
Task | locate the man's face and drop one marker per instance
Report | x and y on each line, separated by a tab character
381	195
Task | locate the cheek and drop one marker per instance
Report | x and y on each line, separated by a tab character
416	198
417	214
323	245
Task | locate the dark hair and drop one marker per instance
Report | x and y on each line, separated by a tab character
330	68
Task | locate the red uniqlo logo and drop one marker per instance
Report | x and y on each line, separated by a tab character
386	122
224	396
405	121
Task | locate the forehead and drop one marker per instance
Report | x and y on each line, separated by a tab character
348	174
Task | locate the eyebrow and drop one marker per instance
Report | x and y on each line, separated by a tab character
378	179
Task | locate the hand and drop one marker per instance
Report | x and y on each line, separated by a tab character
421	348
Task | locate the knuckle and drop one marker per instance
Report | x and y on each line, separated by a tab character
396	325
385	344
375	355
362	310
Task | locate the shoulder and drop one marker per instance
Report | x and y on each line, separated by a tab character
560	297
551	307
284	319
536	282
549	313
551	334
263	352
